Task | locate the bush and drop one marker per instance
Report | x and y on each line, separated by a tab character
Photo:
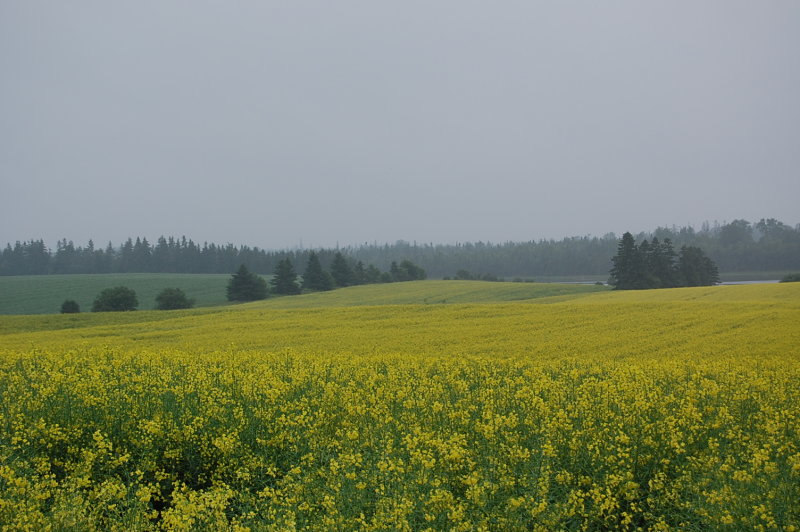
173	299
791	278
117	299
70	306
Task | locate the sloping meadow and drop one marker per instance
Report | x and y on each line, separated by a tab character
669	409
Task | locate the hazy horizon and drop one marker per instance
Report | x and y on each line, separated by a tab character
315	124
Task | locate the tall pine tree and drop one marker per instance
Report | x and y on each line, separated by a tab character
246	286
315	278
284	279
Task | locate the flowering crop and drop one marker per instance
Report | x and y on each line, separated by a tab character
674	409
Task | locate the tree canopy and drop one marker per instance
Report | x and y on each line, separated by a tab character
173	299
118	299
736	246
246	286
315	278
284	279
656	265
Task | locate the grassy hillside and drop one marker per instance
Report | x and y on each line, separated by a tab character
433	292
43	294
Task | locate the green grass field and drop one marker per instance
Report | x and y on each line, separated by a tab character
43	294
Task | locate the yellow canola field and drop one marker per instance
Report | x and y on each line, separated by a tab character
659	410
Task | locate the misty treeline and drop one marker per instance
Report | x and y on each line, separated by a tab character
738	246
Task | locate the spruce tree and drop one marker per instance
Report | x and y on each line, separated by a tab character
626	265
340	271
695	268
284	279
246	286
315	278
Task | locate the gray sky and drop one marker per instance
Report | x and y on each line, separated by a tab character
274	123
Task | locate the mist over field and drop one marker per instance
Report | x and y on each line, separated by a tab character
312	124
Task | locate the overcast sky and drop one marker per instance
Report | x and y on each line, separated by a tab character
276	124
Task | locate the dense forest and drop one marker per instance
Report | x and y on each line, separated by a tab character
738	246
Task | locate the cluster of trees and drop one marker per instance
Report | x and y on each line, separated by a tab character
655	264
767	245
466	275
245	285
123	299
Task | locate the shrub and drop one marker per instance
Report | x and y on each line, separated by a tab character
173	299
791	278
117	299
70	306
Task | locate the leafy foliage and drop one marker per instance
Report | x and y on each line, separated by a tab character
173	299
118	299
246	286
70	306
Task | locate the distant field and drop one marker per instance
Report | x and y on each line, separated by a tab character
433	293
43	294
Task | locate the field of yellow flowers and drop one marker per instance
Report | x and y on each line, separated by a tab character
661	410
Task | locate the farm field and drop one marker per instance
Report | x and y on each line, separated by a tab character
43	294
413	406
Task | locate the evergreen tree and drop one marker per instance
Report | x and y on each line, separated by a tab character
284	279
359	273
662	263
626	265
246	286
340	271
695	268
315	278
372	275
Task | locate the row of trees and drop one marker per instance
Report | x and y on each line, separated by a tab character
247	286
122	299
767	245
655	264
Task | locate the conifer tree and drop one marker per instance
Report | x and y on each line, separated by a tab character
340	271
246	286
626	264
315	278
284	279
695	268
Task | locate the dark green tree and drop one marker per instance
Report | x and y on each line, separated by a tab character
117	299
315	278
662	263
173	299
246	286
70	306
625	272
372	274
359	273
284	279
695	268
340	271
